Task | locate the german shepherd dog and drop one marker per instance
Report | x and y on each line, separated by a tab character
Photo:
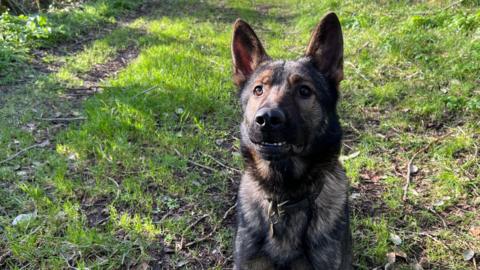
292	208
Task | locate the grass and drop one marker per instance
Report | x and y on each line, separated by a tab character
72	22
143	177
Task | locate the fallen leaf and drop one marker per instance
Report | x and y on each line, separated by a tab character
413	169
22	173
354	196
468	254
438	203
475	232
36	163
352	155
441	201
179	111
395	239
44	143
181	263
23	218
391	257
364	176
401	254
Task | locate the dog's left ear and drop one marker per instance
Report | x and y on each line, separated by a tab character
326	48
247	52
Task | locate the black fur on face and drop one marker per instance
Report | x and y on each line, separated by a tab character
311	124
290	121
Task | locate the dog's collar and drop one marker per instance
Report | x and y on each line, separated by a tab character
277	210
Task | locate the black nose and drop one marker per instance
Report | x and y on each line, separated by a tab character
267	117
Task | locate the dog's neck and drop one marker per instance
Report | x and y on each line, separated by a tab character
291	179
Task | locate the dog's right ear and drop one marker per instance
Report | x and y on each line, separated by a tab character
247	52
326	48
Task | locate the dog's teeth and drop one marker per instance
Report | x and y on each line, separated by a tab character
297	149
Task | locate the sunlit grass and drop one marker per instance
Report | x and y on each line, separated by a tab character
123	187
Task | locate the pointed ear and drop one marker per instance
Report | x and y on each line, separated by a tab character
247	52
326	48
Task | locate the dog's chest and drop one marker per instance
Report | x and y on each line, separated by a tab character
286	235
283	234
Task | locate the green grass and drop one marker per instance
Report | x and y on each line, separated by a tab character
123	188
75	23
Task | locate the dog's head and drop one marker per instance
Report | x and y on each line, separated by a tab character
289	106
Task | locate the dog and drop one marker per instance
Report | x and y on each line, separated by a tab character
292	203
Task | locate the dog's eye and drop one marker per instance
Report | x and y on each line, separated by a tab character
258	90
305	91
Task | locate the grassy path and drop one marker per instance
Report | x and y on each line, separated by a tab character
146	172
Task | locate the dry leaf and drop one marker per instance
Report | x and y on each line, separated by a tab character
413	169
179	111
23	218
395	239
354	196
475	232
468	254
182	263
352	155
391	257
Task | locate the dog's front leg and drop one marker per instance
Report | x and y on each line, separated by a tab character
248	252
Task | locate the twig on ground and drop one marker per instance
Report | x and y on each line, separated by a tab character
208	236
196	222
62	119
169	213
227	260
180	246
4	256
42	144
146	91
117	194
195	163
410	163
439	216
347	146
92	87
228	211
354	128
221	163
435	239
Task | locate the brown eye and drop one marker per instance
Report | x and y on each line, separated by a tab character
305	92
258	90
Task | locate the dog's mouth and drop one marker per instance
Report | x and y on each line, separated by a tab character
277	150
